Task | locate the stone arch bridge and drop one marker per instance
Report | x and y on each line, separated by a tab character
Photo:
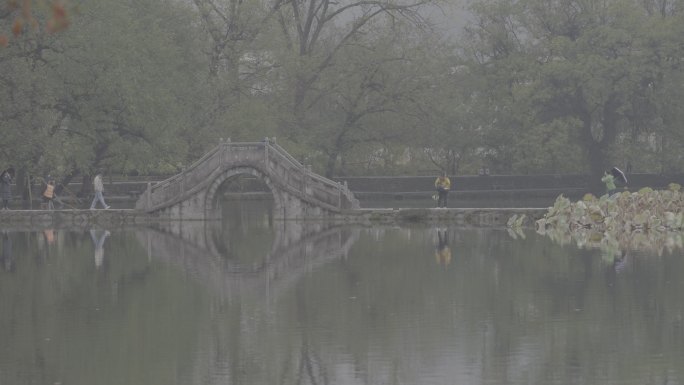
297	191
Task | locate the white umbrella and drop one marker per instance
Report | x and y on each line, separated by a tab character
618	174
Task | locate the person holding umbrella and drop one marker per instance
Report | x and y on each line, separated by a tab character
619	175
609	178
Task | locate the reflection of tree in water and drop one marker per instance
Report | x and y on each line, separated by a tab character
543	305
66	320
311	368
518	312
227	352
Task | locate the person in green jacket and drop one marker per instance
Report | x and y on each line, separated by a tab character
609	180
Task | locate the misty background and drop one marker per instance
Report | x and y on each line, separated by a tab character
352	88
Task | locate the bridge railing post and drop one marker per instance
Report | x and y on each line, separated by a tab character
183	181
306	180
148	199
224	151
266	153
223	146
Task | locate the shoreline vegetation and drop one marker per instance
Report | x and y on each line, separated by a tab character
648	220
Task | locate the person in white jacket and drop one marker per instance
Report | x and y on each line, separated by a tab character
99	189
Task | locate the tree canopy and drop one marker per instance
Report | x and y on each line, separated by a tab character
372	87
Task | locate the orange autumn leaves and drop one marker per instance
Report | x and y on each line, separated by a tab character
57	18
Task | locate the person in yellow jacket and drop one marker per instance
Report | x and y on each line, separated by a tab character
443	185
49	194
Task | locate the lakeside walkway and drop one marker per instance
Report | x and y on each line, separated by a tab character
486	217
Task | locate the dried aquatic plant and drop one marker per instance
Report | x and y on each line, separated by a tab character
644	220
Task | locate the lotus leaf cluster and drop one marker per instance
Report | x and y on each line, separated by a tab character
644	220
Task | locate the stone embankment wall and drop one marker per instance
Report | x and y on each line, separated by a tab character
492	217
37	219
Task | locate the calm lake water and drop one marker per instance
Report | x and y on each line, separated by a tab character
257	302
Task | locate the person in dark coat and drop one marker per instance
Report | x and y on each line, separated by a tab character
6	187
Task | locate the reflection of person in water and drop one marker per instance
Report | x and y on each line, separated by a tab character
620	262
44	244
49	236
7	257
618	266
443	252
99	241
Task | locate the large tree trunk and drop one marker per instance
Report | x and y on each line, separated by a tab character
330	165
598	143
20	181
86	186
299	110
597	165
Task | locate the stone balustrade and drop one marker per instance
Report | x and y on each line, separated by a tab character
297	191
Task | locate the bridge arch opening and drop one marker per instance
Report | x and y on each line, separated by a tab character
243	202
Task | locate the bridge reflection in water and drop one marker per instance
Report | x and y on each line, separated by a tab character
247	261
202	250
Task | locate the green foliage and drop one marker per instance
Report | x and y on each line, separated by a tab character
545	147
593	75
114	91
530	87
357	95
